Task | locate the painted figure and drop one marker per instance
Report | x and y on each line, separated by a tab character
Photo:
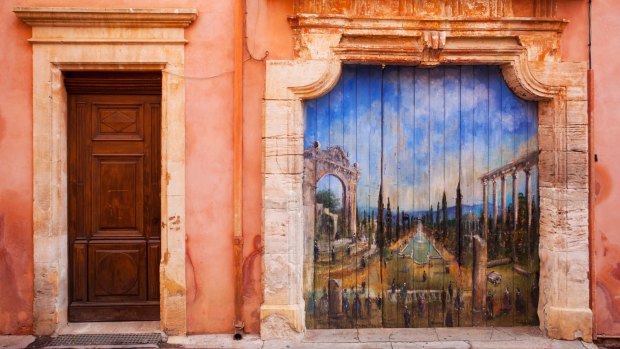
316	250
519	302
489	306
357	306
450	291
345	302
407	317
506	302
443	300
449	319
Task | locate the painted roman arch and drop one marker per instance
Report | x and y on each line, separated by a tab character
420	200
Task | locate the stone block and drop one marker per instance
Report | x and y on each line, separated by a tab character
560	73
278	280
567	323
577	170
282	321
577	93
577	112
577	138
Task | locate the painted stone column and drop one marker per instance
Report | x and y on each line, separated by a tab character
485	210
479	277
528	198
494	204
515	201
503	199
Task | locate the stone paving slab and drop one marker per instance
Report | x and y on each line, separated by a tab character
15	341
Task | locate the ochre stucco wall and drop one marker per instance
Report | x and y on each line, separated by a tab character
16	268
605	189
208	72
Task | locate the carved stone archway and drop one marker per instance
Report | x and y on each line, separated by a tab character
527	51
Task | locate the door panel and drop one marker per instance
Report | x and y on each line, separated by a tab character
440	166
114	205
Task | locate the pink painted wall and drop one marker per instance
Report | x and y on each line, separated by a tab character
605	188
16	267
208	73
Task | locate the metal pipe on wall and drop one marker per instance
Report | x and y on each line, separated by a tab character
238	43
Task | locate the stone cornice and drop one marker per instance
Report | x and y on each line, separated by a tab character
402	26
106	17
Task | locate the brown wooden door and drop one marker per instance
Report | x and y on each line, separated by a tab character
114	207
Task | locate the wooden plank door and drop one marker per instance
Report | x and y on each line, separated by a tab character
114	207
444	230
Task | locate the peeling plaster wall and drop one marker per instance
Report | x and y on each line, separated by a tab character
208	69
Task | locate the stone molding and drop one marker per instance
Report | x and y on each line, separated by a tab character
105	17
73	40
527	50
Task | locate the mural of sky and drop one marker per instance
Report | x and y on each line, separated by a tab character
421	131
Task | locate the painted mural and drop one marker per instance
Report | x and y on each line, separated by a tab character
420	200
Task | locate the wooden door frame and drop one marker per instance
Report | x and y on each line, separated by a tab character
61	43
526	49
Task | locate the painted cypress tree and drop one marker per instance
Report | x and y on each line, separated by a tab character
437	217
459	223
397	222
379	232
444	213
388	222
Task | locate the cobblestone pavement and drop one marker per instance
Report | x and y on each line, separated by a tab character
421	338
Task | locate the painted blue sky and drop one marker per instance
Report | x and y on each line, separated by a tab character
434	126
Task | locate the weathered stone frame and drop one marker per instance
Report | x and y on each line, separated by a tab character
527	51
73	39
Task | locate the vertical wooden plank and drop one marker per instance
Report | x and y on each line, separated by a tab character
495	160
362	111
508	144
421	198
406	182
521	129
481	166
533	234
436	275
313	295
467	190
349	251
452	162
374	174
393	302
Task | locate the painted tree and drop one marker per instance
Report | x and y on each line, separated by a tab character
328	199
444	213
459	223
379	233
437	217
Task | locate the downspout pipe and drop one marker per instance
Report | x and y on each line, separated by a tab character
238	43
